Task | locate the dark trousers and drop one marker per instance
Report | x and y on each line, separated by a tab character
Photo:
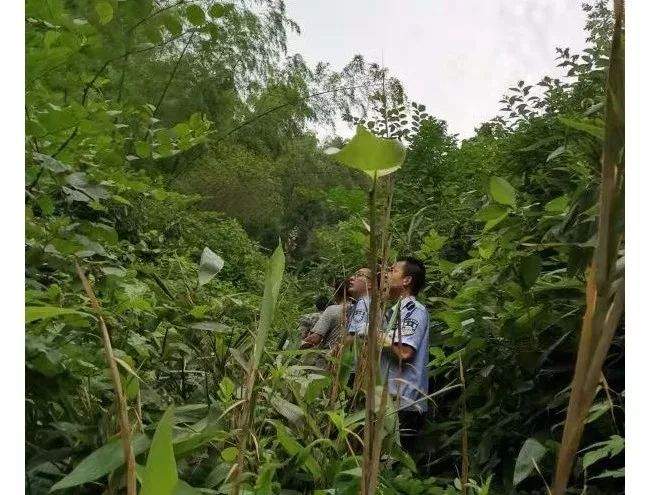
410	425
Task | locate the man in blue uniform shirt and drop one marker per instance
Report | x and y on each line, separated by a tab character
359	289
405	351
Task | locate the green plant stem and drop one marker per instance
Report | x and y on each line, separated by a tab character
122	408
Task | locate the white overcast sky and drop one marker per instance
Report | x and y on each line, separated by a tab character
456	56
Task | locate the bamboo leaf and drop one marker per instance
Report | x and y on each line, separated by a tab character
161	476
103	461
271	289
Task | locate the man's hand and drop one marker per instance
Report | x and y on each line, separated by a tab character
402	351
312	340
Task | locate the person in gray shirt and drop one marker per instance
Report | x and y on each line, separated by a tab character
405	350
328	329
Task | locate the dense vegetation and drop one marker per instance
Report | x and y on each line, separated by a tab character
167	151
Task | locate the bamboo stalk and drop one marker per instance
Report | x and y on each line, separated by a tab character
123	416
367	487
465	441
605	292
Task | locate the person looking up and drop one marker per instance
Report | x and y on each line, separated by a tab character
405	347
359	290
328	330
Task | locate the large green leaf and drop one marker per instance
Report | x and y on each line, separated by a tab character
271	290
101	462
195	14
502	192
33	313
372	154
530	454
161	476
529	270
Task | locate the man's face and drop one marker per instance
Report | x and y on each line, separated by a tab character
359	282
397	281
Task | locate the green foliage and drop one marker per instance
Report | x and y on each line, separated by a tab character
169	173
160	475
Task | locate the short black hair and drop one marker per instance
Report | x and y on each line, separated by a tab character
414	268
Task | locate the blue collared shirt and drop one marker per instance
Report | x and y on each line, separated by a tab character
411	382
359	317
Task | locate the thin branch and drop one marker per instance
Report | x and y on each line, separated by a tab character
170	79
280	107
90	85
154	14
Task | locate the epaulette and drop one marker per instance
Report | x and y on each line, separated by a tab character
409	307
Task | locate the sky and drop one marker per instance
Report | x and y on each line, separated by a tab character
457	57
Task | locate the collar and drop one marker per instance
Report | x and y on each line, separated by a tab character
406	300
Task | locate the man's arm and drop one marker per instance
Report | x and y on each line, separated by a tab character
326	322
410	335
312	340
401	351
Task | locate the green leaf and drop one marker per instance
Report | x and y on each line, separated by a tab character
556	152
432	243
557	205
101	462
173	25
182	488
287	409
46	204
211	264
142	149
491	212
489	225
293	448
588	126
33	313
264	483
610	448
271	289
195	14
161	476
105	12
51	164
531	267
229	454
531	452
502	192
372	154
617	473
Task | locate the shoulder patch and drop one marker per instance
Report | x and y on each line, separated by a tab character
409	326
